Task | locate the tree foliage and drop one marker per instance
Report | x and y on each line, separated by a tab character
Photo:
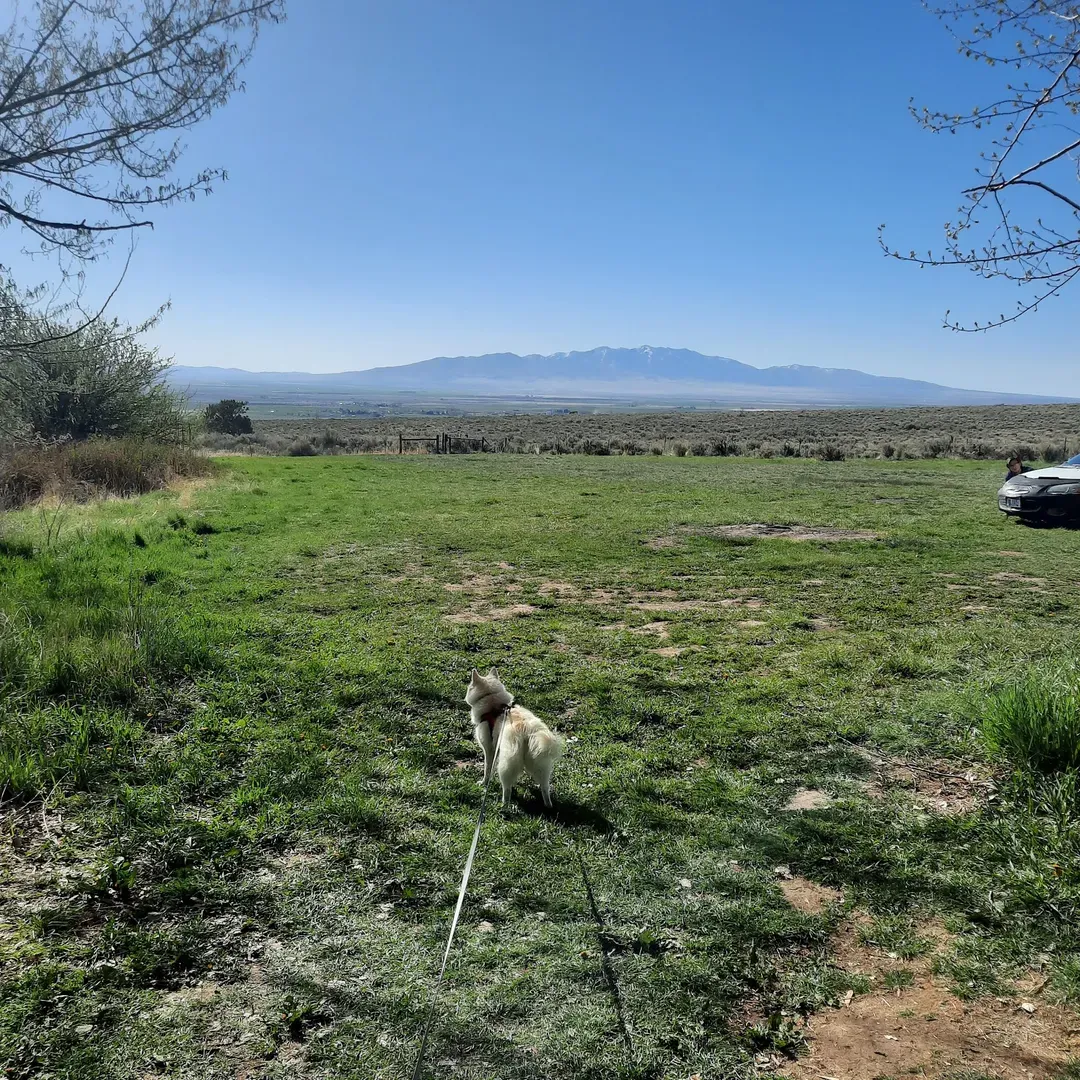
1021	221
60	383
228	417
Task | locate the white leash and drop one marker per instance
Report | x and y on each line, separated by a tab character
457	907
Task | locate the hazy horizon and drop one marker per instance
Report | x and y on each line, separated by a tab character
555	352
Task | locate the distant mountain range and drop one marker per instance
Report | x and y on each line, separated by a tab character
645	372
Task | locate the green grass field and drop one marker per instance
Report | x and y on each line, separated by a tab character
237	783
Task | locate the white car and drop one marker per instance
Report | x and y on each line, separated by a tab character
1044	495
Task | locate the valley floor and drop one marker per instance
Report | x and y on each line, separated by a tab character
238	784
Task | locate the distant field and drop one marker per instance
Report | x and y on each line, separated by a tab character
1036	432
237	784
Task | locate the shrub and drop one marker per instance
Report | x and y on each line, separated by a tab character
700	449
98	466
1035	724
96	379
887	450
131	466
829	452
656	449
302	448
331	440
680	449
723	448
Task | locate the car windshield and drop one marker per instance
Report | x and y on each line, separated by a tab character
1073	460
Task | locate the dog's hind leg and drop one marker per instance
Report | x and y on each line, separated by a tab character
507	790
510	769
509	774
542	773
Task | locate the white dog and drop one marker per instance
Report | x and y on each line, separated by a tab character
525	743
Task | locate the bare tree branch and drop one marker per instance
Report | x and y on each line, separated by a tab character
1036	246
88	93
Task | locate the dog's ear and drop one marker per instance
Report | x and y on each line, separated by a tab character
493	673
475	677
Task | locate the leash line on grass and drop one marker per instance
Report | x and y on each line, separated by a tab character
416	1073
605	960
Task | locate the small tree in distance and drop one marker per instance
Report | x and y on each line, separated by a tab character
229	417
1021	221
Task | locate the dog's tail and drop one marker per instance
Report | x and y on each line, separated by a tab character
546	744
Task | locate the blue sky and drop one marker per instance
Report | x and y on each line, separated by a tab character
418	177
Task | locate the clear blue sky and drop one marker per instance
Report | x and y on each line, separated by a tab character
418	178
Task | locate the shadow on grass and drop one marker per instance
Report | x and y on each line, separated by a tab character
893	869
568	812
1069	524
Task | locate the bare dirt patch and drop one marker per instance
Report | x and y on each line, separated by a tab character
191	996
941	787
674	605
754	603
601	597
660	629
513	611
557	588
1009	576
298	860
412	572
675	650
749	624
808	896
762	531
822	626
924	1030
809	799
480	584
662	543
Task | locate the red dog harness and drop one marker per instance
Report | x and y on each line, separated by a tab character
493	718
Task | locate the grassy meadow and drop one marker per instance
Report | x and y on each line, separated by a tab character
237	783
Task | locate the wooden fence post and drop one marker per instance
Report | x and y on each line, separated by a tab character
400	444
